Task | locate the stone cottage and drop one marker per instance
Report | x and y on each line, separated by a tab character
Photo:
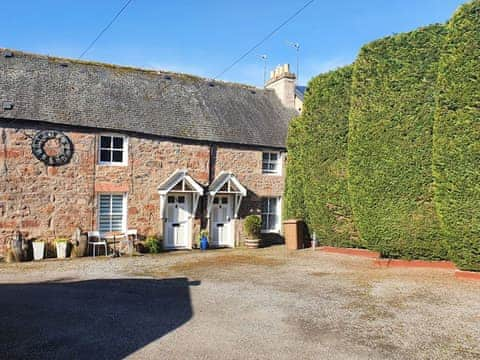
110	148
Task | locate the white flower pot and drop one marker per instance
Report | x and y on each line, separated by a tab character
38	250
61	250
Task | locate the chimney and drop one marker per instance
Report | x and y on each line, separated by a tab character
283	82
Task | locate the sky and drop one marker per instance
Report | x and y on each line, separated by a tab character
203	37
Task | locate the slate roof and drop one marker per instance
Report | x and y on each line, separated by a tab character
300	91
79	93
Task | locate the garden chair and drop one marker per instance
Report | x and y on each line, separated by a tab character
95	239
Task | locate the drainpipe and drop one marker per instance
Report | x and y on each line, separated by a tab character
211	163
212	160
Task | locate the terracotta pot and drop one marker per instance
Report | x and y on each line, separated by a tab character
252	243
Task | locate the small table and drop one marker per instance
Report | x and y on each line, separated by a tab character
114	235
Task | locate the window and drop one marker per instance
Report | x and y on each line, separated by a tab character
112	212
271	163
113	150
270	214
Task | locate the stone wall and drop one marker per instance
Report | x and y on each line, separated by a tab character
247	167
48	202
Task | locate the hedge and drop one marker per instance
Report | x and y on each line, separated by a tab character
457	137
390	144
325	121
294	206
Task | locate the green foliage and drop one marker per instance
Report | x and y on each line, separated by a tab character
390	144
153	245
294	206
324	161
457	137
252	226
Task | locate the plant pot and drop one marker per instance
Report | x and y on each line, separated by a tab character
17	249
79	244
38	250
61	249
252	243
204	243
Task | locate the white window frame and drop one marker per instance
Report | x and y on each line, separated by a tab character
278	213
279	162
124	210
124	150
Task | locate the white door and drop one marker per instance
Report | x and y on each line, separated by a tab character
177	222
222	211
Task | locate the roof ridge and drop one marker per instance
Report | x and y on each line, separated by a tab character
131	68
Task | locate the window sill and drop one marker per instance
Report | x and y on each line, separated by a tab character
276	231
112	164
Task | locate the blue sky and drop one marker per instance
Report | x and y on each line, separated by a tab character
203	37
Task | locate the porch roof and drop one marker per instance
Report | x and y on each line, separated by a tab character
223	178
178	176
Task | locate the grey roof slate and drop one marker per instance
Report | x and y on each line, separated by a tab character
78	93
300	91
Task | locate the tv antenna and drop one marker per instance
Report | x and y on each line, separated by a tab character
264	57
296	46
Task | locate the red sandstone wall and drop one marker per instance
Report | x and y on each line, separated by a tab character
48	202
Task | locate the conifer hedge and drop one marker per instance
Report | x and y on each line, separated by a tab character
390	144
294	206
325	124
457	137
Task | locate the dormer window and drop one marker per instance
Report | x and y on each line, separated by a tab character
271	163
113	150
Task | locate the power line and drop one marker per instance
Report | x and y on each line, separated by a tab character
105	28
294	15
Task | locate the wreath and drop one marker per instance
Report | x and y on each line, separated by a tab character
65	149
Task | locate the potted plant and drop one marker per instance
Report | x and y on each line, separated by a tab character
153	245
252	227
61	245
203	240
38	249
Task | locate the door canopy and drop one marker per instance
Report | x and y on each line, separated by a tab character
179	182
226	184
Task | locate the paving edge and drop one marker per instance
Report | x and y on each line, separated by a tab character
470	275
445	265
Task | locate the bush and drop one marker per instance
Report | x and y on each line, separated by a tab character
252	226
324	162
390	144
153	245
457	137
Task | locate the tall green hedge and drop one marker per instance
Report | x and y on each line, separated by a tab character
457	137
390	144
325	121
294	205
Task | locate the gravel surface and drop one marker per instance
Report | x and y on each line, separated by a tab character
235	304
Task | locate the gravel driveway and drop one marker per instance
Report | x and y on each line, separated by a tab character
235	304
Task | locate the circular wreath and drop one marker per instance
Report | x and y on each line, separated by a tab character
65	150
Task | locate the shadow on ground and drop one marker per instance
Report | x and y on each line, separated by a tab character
95	319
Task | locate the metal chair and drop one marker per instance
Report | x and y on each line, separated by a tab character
94	239
133	232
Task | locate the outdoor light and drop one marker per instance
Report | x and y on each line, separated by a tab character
7	105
